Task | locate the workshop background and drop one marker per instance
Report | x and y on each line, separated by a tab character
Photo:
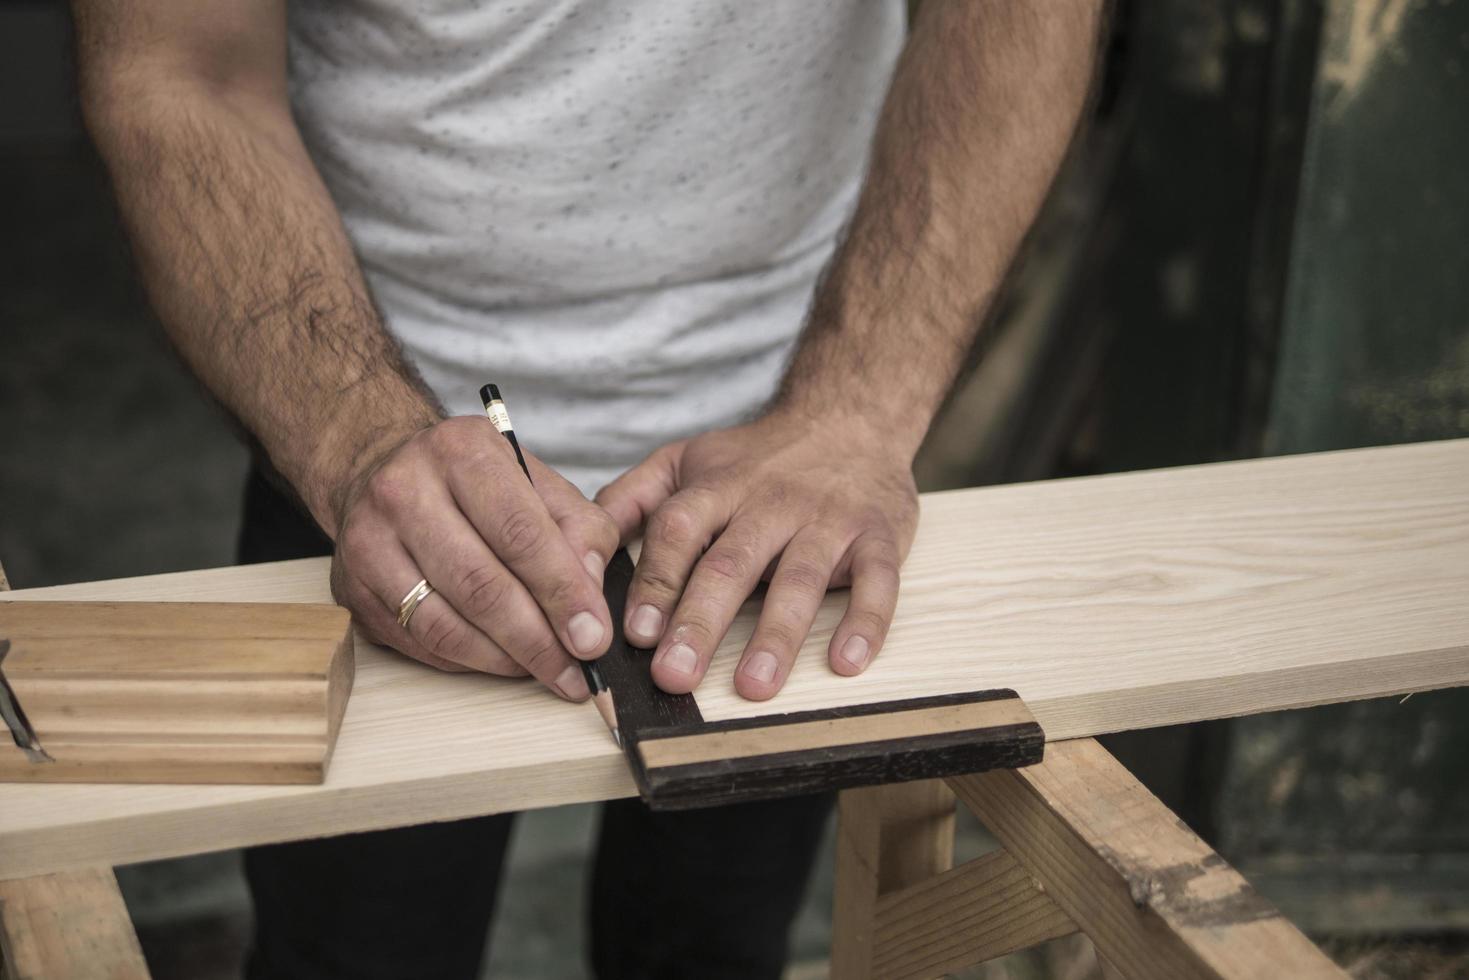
1261	246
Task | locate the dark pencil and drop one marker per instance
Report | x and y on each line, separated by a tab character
601	693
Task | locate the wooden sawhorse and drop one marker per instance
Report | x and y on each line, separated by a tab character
1085	848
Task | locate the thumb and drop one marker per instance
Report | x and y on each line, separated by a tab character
637	493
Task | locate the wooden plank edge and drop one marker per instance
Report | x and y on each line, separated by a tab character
187	766
294	813
341	674
1206	698
823	714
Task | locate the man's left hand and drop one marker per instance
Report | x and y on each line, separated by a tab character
807	504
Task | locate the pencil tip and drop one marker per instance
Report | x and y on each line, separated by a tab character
608	710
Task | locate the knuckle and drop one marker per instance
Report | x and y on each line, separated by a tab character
675	522
452	437
392	488
561	592
367	615
445	638
882	563
873	522
351	542
731	563
482	591
775	495
596	529
541	657
361	603
654	580
781	635
603	526
520	535
869	622
804	576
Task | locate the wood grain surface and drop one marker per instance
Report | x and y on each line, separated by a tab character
1107	603
177	692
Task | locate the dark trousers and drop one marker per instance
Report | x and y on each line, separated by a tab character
704	893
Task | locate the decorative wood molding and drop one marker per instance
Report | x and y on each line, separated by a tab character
177	692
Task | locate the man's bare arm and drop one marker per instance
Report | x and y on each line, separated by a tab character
248	266
239	245
980	112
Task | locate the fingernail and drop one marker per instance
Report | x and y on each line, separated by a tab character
646	621
596	565
586	633
762	667
854	651
572	685
680	658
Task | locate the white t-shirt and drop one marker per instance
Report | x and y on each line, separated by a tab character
616	211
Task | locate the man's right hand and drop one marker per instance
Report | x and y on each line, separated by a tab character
189	105
516	569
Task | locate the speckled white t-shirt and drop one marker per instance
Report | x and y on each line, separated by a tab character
614	209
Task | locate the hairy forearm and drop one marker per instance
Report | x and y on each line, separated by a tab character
979	115
247	265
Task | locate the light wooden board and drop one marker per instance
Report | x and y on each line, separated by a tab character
1107	603
177	692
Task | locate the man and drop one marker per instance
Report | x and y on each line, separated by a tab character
618	212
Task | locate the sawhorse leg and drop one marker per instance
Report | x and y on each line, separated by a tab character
68	926
1085	847
72	925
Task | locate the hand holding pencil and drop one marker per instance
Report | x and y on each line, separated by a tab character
601	693
448	554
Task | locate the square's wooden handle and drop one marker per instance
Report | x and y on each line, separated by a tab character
712	763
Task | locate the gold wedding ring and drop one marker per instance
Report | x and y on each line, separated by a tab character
410	602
